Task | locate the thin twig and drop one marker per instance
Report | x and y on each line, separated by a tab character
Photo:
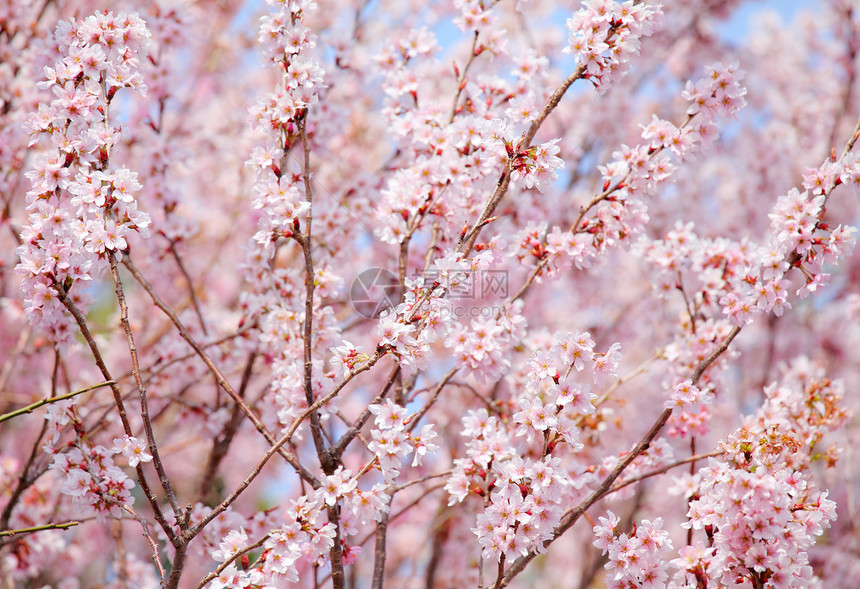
337	449
661	470
141	389
216	373
70	306
221	445
46	401
641	369
57	526
415	419
573	515
461	79
194	303
234	558
12	357
121	555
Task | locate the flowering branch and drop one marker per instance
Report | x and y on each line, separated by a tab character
605	487
226	564
384	251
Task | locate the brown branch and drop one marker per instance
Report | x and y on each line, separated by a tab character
220	446
232	559
152	543
304	241
216	373
500	574
572	515
194	303
141	389
468	240
855	135
326	463
379	548
706	363
70	306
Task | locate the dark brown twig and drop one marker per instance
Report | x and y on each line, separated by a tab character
141	389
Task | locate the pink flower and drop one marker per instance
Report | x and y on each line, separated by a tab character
232	543
389	415
542	365
606	364
391	331
133	449
336	486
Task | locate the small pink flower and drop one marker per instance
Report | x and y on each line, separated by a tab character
133	449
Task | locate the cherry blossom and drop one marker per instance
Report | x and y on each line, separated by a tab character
468	293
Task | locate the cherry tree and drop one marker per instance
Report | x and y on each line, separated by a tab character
470	293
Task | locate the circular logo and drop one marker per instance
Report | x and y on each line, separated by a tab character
373	291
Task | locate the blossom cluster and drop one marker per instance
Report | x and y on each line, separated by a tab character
526	214
604	34
552	400
689	407
525	506
87	470
482	342
760	523
619	212
303	535
393	440
636	559
757	504
80	208
300	533
538	165
799	239
524	496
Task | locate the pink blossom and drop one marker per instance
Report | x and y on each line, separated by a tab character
133	449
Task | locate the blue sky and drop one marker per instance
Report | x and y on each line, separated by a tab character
738	24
